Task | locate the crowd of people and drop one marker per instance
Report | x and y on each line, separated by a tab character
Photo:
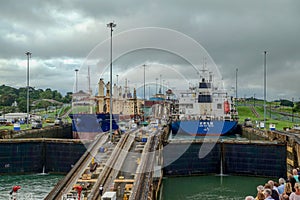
282	190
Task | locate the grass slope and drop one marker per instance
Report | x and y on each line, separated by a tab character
245	112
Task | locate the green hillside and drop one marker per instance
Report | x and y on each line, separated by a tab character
279	120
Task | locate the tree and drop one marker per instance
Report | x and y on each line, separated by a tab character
284	102
22	105
47	94
67	98
56	96
9	94
297	107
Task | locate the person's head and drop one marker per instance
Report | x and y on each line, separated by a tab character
249	198
267	186
267	192
288	187
260	188
260	195
295	172
281	181
271	183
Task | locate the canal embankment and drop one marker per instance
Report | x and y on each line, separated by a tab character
64	131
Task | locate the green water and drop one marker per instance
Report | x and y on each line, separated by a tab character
210	187
190	188
36	186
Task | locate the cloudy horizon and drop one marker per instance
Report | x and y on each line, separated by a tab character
62	34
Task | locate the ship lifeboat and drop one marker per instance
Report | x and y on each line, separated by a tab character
226	107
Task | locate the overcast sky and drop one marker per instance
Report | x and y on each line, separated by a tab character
61	34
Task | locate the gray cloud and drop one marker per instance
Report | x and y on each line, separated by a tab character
235	33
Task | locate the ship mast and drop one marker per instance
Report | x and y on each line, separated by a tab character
89	81
135	106
203	70
90	90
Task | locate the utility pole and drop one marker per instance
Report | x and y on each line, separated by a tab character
28	56
265	86
76	80
160	84
144	90
110	25
293	110
156	85
236	87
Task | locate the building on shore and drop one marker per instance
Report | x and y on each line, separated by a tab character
124	102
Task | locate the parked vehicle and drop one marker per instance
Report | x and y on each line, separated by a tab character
37	124
248	122
3	121
109	196
58	122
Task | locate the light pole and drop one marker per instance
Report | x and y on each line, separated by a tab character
236	81
265	86
160	84
28	56
76	80
156	79
110	25
3	109
293	110
144	89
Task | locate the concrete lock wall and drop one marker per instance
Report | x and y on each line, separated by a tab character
25	156
61	158
255	159
239	159
20	157
189	163
46	132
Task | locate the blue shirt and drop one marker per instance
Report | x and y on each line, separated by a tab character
296	178
280	188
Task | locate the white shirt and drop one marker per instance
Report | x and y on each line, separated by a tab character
294	196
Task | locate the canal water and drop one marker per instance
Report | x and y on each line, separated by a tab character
210	187
34	186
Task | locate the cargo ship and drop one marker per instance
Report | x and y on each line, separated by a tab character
204	109
90	113
87	126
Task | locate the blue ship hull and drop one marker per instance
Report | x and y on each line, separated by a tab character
203	127
86	126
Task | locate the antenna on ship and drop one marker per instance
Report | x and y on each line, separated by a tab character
89	81
126	88
203	70
210	77
160	84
